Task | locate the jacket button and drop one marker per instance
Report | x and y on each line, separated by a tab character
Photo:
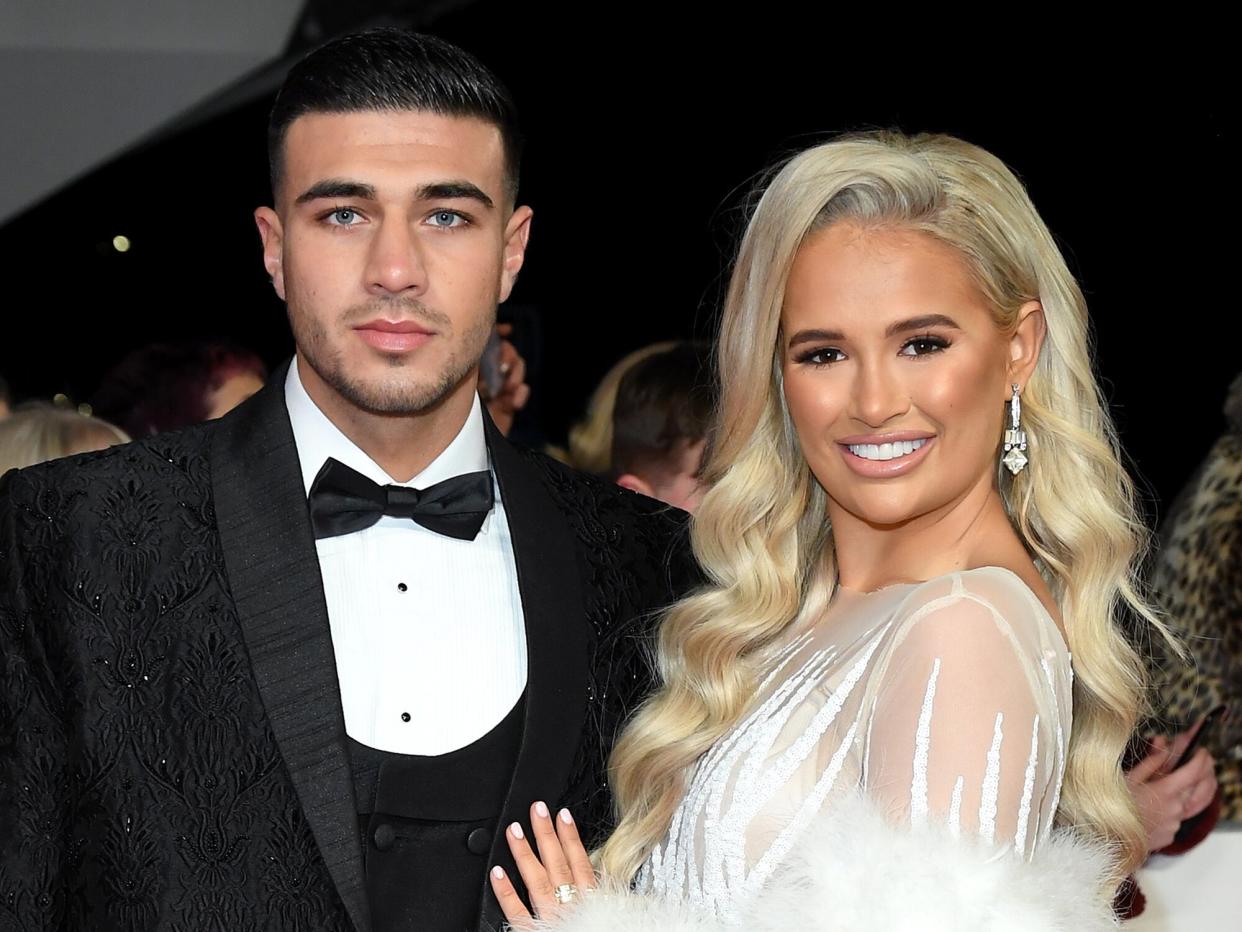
384	836
479	841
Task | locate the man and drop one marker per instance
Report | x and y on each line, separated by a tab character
251	679
6	399
660	422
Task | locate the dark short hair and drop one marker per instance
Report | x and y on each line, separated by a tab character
393	69
664	405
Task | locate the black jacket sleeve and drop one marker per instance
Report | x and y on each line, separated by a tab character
34	763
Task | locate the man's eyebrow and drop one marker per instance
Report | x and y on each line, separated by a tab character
901	326
337	187
451	190
921	323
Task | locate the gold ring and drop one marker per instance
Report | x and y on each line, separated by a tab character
565	893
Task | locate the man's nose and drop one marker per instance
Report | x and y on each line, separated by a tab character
395	264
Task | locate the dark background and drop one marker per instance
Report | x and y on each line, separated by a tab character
643	136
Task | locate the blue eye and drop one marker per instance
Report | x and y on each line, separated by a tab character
447	219
342	217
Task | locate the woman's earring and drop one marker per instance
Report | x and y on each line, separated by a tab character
1015	437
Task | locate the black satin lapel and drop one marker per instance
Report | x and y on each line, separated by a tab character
273	572
557	645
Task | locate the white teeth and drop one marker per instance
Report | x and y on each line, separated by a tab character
886	451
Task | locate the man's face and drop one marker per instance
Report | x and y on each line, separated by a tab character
392	243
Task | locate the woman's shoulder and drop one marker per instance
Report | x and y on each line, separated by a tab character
973	610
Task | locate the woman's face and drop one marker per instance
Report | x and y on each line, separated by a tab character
895	373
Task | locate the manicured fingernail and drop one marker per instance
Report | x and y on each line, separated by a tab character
542	810
516	831
566	817
498	872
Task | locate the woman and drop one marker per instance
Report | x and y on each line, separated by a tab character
915	517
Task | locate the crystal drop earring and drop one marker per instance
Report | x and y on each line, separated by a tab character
1014	457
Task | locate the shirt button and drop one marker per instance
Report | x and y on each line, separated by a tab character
384	836
405	716
479	841
401	587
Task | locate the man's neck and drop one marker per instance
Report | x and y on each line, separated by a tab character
403	445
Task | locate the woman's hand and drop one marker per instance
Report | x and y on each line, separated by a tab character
562	863
1166	798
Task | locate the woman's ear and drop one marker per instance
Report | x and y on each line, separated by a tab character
1025	344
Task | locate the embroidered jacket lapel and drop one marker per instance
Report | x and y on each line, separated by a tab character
273	573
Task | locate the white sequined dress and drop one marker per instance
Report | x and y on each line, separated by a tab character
945	703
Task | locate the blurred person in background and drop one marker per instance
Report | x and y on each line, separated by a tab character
502	379
37	432
6	398
590	439
164	386
1197	578
663	409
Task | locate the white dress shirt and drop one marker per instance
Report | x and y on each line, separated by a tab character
428	630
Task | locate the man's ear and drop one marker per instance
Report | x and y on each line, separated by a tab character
273	236
634	484
517	231
1025	344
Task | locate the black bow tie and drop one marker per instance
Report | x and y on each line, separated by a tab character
343	500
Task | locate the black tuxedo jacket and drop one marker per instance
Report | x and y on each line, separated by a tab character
172	747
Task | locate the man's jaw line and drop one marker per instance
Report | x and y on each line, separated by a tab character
403	443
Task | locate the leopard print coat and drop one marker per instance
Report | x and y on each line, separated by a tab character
1197	580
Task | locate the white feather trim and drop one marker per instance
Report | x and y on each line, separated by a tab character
854	871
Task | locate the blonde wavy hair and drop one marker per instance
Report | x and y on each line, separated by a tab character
762	535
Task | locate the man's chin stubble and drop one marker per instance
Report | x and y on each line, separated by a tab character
395	399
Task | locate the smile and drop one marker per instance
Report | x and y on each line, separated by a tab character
889	457
885	451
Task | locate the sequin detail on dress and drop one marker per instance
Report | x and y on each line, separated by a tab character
918	790
991	784
1028	788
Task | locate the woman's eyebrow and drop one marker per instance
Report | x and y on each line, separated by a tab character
815	336
921	323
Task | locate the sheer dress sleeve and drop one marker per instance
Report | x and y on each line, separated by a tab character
969	715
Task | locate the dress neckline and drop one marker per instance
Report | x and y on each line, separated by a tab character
860	593
855	595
